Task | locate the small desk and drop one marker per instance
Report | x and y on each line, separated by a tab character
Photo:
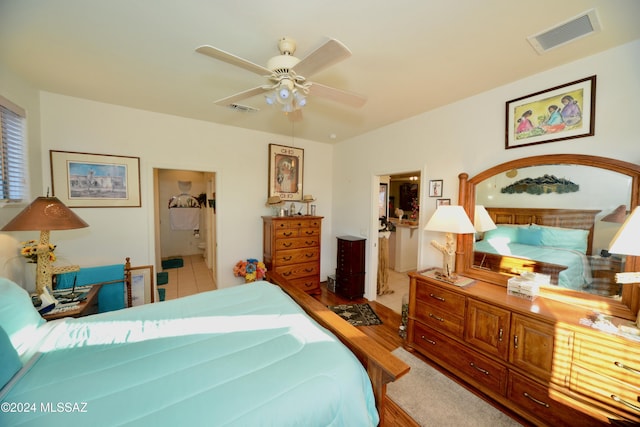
84	308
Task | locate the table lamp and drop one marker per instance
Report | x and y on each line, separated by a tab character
627	242
45	214
450	219
482	220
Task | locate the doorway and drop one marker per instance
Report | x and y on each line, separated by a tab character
402	204
185	216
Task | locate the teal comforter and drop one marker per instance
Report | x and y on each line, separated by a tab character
241	356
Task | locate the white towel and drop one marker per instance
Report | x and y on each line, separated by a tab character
184	218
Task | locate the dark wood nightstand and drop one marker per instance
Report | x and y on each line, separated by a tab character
84	308
603	271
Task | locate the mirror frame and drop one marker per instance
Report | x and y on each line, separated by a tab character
627	306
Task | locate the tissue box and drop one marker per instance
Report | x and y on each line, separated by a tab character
537	278
523	288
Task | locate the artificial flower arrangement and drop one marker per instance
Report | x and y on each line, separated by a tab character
415	207
30	251
251	270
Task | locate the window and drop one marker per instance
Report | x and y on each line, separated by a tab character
12	154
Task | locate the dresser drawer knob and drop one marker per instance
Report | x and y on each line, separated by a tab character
625	403
433	316
309	255
437	297
628	368
478	368
432	342
287	258
288	234
533	399
500	334
309	242
308	270
286	273
287	244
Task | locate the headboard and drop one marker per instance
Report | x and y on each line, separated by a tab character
583	219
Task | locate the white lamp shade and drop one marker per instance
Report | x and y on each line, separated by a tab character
482	220
627	239
450	219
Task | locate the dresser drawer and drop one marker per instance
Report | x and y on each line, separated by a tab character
285	233
310	284
439	319
296	243
309	232
617	359
544	403
445	300
294	256
475	367
296	271
623	396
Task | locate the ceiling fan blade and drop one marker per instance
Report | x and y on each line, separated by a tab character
338	95
232	59
240	96
295	115
330	52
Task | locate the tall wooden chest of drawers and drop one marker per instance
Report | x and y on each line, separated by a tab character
291	248
350	267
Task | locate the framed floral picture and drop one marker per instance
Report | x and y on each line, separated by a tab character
555	114
286	168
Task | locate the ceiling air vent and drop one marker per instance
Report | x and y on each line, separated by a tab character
582	25
242	108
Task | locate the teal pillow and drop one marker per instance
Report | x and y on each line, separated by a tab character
18	316
508	233
9	360
565	238
530	236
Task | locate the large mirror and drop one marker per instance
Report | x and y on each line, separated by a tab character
555	215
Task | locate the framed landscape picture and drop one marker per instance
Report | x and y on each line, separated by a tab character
555	114
83	180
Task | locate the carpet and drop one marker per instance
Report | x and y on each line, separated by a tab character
432	399
172	263
357	314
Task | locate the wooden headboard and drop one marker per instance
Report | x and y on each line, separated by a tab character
566	218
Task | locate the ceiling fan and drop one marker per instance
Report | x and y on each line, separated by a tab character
288	76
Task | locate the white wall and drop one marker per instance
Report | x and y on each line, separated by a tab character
468	136
238	157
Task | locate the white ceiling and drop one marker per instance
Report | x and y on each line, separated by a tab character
409	56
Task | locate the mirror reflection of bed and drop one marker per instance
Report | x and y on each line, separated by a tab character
580	211
563	233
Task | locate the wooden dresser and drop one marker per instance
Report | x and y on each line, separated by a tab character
350	268
534	357
291	247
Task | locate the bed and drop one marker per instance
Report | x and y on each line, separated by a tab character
245	355
556	242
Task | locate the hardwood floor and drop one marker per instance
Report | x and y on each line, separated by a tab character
386	334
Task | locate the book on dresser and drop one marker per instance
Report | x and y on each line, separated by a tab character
291	248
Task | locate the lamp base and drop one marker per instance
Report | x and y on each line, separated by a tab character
452	279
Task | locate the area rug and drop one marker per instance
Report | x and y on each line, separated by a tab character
172	263
432	399
357	314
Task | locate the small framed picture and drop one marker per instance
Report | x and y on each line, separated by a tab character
435	188
442	202
143	288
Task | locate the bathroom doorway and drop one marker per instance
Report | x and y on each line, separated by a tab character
185	216
398	243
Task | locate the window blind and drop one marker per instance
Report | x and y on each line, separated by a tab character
12	154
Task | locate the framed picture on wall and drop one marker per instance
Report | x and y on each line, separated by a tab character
555	114
286	168
142	286
83	180
442	202
383	201
435	188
